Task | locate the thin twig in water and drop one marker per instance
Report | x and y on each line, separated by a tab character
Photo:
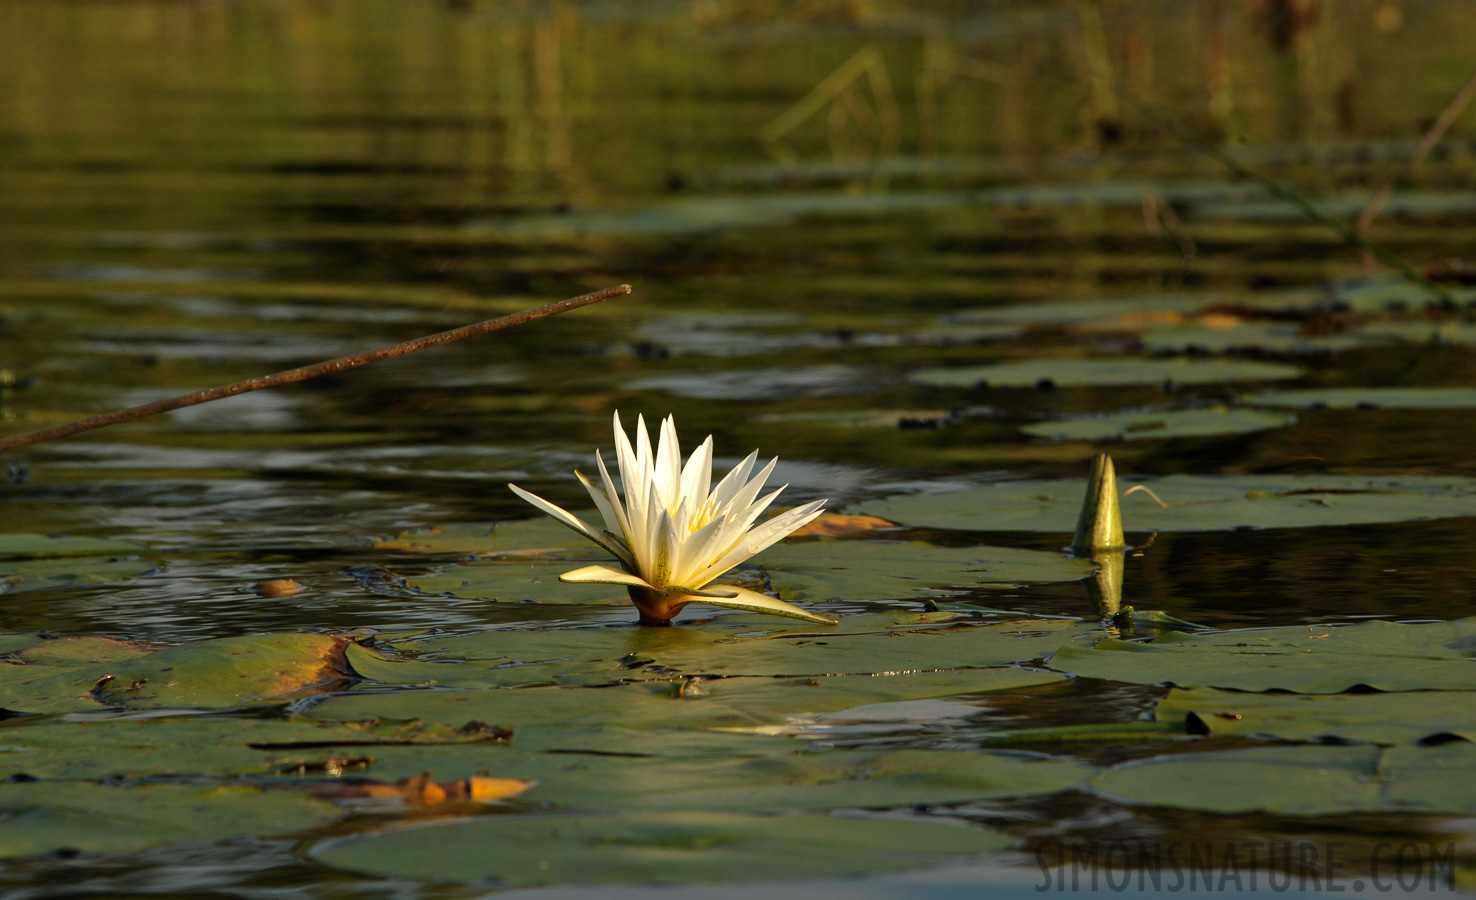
302	374
1442	123
1279	191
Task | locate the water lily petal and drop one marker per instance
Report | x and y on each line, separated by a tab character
697	476
602	575
732	482
613	521
624	520
567	518
669	463
753	601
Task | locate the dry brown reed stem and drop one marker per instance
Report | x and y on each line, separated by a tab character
302	374
1437	130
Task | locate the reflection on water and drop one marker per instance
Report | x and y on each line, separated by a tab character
192	194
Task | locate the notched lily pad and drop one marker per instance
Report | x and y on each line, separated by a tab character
1368	398
1306	659
870	570
1105	373
92	673
1307	780
1139	425
23	575
1377	718
1194	503
658	847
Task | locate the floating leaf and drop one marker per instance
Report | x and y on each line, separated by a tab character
1139	425
1196	503
1304	781
520	536
43	817
1307	659
1105	373
517	581
219	746
1377	718
34	546
1308	780
216	673
1369	398
646	848
19	576
715	703
1276	337
834	524
891	570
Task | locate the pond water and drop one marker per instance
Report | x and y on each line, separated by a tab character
935	260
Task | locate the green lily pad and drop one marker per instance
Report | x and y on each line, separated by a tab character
1138	425
19	576
646	848
1106	373
1457	333
867	418
43	817
1306	659
717	703
219	746
1196	503
1306	780
1368	398
1275	337
518	581
40	546
1376	718
515	537
856	570
223	672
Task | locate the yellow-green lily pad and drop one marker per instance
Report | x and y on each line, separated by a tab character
1140	425
23	575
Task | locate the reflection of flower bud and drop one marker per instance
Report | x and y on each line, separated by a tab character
673	532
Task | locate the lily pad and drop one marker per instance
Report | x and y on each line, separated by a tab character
1306	659
514	537
1196	503
1306	780
857	570
517	581
646	848
220	746
1376	718
1138	425
44	817
20	576
1105	373
1274	337
1369	398
223	672
716	703
35	546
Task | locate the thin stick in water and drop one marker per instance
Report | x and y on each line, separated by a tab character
313	371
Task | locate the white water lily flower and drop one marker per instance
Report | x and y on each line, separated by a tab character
673	532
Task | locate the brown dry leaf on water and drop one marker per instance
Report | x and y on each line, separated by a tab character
279	587
832	524
422	791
